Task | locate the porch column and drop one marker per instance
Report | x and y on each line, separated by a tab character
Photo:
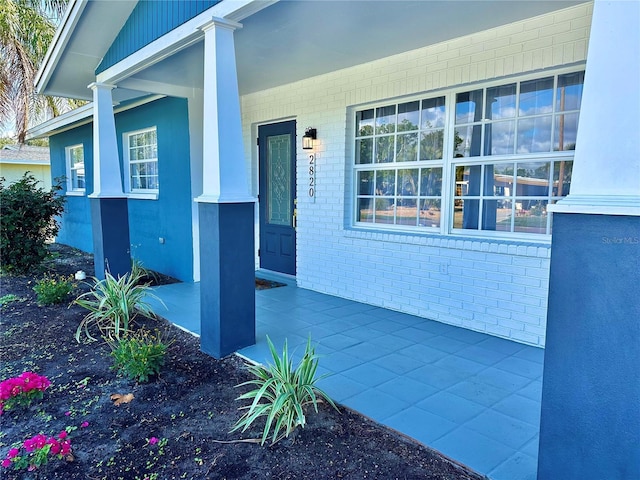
226	207
590	423
109	210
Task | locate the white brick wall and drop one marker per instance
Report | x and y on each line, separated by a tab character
490	286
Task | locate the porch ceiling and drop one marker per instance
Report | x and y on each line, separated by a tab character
293	40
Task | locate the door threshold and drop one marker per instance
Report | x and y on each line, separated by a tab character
279	276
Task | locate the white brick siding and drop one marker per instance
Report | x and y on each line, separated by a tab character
491	286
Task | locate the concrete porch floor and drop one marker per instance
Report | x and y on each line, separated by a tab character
473	397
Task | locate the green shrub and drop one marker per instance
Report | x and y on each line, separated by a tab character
139	355
8	298
282	393
113	304
53	290
27	221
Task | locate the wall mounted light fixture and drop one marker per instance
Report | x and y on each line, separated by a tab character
310	134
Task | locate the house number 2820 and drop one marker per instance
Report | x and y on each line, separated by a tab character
312	176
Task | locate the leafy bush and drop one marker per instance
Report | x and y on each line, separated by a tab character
282	393
113	304
27	222
22	390
53	290
139	355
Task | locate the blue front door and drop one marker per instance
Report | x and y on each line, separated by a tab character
277	151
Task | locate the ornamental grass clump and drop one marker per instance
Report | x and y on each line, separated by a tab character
52	290
22	390
139	355
113	305
282	393
36	451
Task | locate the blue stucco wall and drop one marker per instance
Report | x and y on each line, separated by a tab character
150	20
590	424
76	221
168	217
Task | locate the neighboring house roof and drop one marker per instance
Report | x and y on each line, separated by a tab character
24	155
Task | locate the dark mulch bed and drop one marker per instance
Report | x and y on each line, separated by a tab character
191	404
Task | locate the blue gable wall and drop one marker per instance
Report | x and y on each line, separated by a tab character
76	221
168	217
148	22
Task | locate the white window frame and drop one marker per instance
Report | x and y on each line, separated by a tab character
141	193
70	169
449	163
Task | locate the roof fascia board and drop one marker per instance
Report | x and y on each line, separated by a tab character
59	42
80	116
24	162
180	38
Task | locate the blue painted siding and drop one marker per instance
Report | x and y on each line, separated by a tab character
168	217
150	20
76	221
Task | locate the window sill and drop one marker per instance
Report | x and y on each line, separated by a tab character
75	193
514	246
142	196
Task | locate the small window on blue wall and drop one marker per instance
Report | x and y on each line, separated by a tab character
141	159
74	156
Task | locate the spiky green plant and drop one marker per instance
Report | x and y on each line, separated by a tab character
282	393
113	304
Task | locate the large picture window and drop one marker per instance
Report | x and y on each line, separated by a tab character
504	149
141	157
75	169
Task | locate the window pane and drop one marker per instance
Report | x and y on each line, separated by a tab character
566	129
408	182
429	213
562	169
365	183
384	149
364	122
431	145
467	141
365	210
498	180
433	113
431	182
384	210
469	107
407	212
501	102
386	119
500	138
364	150
534	135
569	95
466	214
408	116
496	215
536	96
386	182
531	217
532	179
407	147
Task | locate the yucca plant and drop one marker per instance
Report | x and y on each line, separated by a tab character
113	304
282	393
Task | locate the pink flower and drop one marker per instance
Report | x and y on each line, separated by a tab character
84	424
62	435
153	441
6	463
13	453
66	414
